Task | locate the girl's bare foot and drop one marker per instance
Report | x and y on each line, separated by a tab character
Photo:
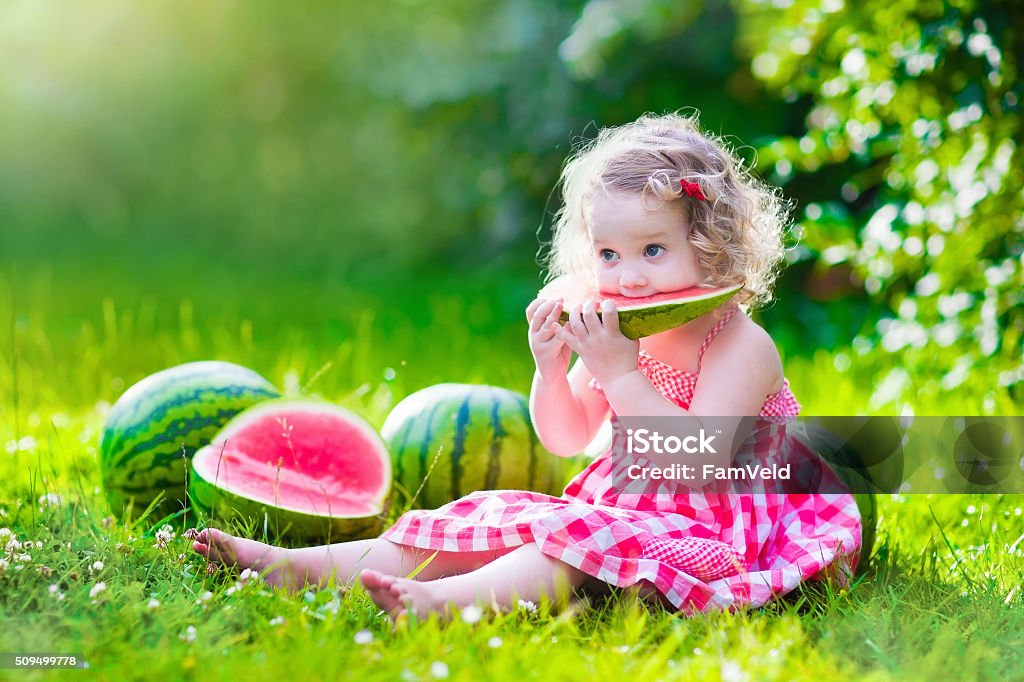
419	598
272	562
380	585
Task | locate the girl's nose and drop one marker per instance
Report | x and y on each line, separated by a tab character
632	278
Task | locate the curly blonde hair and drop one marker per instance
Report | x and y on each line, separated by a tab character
737	232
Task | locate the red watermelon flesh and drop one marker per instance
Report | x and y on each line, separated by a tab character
314	459
645	315
635	303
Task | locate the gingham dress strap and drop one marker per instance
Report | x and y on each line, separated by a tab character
714	332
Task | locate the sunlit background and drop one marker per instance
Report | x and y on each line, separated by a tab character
355	193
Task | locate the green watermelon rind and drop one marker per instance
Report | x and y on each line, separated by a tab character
218	503
430	432
638	322
156	426
867	504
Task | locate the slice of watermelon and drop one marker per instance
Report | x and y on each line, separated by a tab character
647	315
313	470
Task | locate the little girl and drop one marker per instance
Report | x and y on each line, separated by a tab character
653	206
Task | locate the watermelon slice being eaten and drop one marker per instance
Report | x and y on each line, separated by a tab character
646	315
314	471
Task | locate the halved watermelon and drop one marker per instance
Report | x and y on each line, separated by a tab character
314	471
647	315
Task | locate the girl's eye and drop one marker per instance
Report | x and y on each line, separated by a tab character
607	255
652	250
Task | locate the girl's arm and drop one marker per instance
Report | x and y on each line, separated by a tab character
566	412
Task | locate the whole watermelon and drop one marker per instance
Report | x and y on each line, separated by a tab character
451	439
156	426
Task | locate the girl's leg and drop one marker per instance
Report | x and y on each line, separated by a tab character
524	573
294	568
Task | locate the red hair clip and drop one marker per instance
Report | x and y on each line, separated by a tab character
692	189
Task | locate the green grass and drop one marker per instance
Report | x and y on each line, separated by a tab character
941	596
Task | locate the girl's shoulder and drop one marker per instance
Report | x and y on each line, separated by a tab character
742	334
744	343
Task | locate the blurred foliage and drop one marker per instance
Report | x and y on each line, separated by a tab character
171	151
909	152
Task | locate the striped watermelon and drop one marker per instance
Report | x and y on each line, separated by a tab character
311	471
647	315
155	427
456	438
867	503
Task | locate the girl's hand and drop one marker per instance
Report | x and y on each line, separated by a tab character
599	342
550	353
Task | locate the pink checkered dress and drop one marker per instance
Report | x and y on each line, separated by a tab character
701	550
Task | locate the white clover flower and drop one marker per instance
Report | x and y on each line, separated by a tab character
153	604
24	558
54	588
495	642
249	574
363	637
278	620
7	532
439	670
204	597
231	590
189	635
24	444
164	537
471	614
732	672
526	605
51	500
96	590
96	567
13	545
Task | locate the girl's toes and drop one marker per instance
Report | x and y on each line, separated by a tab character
372	580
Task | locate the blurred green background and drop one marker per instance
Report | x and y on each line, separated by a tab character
348	195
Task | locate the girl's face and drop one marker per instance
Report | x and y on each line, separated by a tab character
638	251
